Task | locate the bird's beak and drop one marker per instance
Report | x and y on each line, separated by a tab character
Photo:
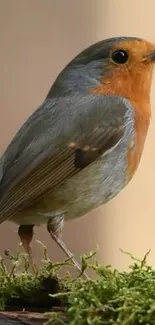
150	58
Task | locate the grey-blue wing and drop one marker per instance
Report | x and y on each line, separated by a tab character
62	137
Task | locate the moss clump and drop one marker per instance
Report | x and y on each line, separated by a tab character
22	290
120	298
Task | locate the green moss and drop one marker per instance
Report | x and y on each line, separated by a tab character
120	298
23	290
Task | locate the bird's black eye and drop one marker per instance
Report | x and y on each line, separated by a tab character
120	56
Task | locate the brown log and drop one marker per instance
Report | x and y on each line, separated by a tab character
21	318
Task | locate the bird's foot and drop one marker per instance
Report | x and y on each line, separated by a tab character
68	253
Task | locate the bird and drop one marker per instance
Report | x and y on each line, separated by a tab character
83	144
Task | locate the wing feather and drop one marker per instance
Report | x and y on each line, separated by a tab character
44	165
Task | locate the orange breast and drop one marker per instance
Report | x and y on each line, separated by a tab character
135	152
121	84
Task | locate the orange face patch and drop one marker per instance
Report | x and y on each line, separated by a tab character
132	81
138	50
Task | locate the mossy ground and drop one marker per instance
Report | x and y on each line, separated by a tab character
120	298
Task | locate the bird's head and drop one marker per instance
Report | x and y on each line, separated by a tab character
119	66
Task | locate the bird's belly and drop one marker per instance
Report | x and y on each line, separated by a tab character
88	189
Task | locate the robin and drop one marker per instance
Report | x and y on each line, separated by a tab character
82	146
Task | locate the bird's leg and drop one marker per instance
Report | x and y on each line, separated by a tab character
55	231
25	233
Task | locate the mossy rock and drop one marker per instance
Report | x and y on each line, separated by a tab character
114	298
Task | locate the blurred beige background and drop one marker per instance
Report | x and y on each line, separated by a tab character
37	39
